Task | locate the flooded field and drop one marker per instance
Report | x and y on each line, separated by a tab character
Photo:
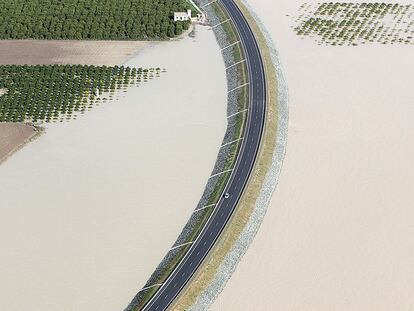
88	210
338	234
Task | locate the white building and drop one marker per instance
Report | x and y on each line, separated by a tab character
182	16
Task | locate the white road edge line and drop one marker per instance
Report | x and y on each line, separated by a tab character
231	142
159	284
238	87
226	171
230	45
228	182
204	207
203	6
227	20
235	114
181	245
235	64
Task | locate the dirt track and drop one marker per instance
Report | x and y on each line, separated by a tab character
32	52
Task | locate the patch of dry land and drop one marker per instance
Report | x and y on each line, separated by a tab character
339	232
12	137
44	52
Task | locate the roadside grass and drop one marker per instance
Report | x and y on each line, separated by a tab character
170	266
240	71
237	52
218	189
205	275
242	76
144	296
243	97
230	30
159	277
232	156
231	33
200	224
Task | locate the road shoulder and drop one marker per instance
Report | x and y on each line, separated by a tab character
212	276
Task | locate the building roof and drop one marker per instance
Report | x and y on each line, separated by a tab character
180	14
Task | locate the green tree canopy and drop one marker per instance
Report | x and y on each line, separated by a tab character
91	19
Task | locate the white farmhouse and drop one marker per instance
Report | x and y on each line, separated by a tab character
182	16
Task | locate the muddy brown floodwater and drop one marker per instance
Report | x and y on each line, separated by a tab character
338	234
89	209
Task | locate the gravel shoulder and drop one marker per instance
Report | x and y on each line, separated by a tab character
228	251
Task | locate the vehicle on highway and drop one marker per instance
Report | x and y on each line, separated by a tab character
199	249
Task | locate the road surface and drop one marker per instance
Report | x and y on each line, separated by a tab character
240	175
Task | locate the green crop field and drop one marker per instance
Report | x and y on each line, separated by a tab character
347	23
91	19
58	92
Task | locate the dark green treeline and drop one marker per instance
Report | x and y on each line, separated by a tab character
91	19
57	92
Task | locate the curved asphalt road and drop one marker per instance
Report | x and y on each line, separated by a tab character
240	175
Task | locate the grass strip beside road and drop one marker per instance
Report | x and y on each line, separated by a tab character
170	266
144	296
206	274
218	189
200	224
242	78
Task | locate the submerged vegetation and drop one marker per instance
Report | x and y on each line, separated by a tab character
58	92
91	19
346	23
